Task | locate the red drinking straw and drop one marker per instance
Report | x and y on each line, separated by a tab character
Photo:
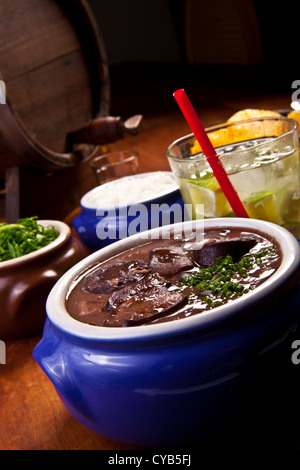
210	153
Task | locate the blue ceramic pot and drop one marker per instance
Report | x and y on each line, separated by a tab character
172	383
101	226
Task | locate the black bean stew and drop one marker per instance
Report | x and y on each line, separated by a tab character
163	280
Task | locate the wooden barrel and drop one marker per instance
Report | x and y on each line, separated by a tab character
53	63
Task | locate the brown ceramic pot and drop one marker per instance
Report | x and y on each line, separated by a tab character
25	282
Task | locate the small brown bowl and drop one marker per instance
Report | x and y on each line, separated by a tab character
25	282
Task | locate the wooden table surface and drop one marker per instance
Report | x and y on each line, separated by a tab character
31	414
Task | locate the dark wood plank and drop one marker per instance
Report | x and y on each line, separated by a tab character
32	416
53	100
35	33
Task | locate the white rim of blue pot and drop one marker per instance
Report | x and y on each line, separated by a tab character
109	187
60	318
64	233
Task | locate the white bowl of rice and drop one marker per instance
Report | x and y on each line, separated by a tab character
129	205
132	189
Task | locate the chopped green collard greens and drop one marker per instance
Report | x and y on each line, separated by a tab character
224	279
23	237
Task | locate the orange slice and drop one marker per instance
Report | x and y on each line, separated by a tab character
249	113
232	134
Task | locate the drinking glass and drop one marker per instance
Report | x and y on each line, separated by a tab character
113	165
261	158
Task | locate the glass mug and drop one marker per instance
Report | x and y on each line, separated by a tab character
113	165
261	158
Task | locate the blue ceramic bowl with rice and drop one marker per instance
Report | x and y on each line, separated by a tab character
129	205
178	382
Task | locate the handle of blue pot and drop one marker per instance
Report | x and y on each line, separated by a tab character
51	354
55	356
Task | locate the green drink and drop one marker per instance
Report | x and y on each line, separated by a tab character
261	158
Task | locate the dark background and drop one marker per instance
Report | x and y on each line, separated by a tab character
154	47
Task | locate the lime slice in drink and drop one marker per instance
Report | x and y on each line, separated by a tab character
262	205
203	200
207	198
